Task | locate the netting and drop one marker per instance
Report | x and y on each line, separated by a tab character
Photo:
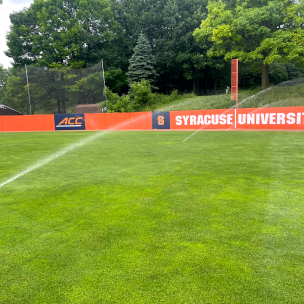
52	90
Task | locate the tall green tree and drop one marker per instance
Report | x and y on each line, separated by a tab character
255	30
180	58
60	32
168	25
142	63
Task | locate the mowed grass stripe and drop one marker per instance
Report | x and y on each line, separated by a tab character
137	217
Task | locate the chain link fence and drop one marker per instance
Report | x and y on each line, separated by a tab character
41	90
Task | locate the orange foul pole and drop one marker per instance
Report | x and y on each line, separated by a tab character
234	80
235	83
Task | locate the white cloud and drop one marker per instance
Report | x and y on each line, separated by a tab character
21	2
6	8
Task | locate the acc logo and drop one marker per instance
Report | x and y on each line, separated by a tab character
69	122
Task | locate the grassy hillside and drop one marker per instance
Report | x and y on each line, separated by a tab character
287	94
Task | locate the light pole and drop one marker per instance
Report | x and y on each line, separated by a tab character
104	84
28	89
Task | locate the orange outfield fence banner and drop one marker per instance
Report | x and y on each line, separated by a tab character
23	123
118	121
288	118
93	122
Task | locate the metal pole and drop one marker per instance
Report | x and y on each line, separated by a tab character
28	89
104	84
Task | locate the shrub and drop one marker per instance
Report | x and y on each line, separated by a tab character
117	104
140	99
141	94
122	105
174	95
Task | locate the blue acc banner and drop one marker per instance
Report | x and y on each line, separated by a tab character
69	122
161	120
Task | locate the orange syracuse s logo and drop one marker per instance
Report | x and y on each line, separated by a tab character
161	121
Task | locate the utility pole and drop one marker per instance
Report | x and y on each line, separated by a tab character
28	89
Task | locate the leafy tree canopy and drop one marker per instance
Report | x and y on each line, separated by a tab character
60	32
79	33
168	25
254	30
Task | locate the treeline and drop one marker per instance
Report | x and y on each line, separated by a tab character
78	34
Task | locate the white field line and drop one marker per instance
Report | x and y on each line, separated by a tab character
201	128
54	156
69	149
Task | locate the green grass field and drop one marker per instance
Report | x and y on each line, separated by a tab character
138	217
